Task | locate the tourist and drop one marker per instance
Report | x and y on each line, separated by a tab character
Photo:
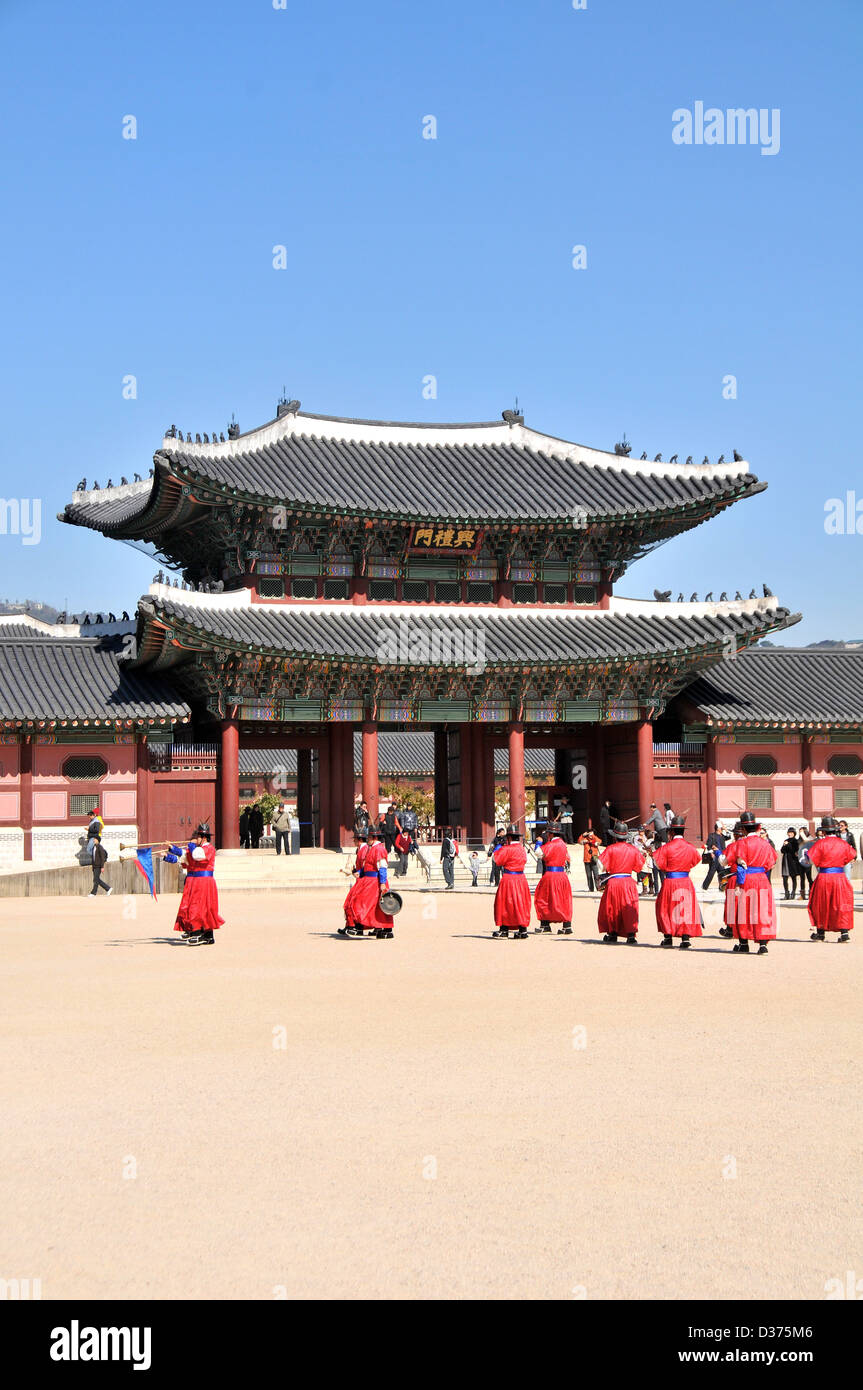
669	815
846	835
831	901
362	907
392	827
656	821
361	819
552	897
752	857
591	846
790	853
198	913
244	827
618	906
564	819
649	875
448	856
402	847
494	871
409	821
605	820
98	853
512	899
256	825
677	910
714	847
280	823
473	865
805	841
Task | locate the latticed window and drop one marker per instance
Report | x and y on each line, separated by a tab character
845	765
759	798
447	592
479	591
415	590
304	588
524	593
554	593
84	770
335	588
758	765
846	799
81	804
271	588
583	593
382	589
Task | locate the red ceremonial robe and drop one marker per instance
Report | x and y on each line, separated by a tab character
753	915
618	906
552	896
199	905
512	899
831	899
362	903
677	910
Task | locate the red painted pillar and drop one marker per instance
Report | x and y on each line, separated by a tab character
371	776
645	768
324	837
517	807
25	784
142	789
806	774
346	801
710	780
229	780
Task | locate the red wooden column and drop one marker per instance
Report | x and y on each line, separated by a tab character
645	768
517	806
710	781
229	783
142	789
371	776
25	787
806	774
324	836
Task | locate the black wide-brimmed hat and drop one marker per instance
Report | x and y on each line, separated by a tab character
513	832
677	825
391	902
204	829
619	830
749	822
830	825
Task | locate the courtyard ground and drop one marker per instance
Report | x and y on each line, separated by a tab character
290	1113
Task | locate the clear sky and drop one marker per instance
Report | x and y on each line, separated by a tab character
406	256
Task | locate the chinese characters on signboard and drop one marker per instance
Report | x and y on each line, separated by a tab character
446	540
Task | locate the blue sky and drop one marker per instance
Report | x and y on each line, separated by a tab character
451	257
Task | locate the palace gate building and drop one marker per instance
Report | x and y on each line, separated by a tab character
335	578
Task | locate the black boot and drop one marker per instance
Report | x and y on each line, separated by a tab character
611	938
502	932
725	931
742	948
817	935
666	941
843	936
521	934
685	943
762	949
632	940
543	927
565	930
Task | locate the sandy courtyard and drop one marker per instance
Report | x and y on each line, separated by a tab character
440	1116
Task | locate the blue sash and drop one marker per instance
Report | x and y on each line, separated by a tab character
553	869
369	873
676	873
200	873
520	872
831	869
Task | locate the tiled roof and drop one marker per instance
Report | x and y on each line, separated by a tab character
802	685
628	628
48	678
460	472
404	753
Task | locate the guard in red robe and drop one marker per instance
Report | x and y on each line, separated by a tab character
362	905
198	913
348	906
677	910
752	857
512	899
831	898
618	906
552	896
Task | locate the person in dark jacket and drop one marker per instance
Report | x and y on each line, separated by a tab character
361	819
605	819
499	839
244	828
256	825
790	863
100	855
715	845
392	827
805	841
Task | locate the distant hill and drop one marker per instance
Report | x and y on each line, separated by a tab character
31	606
826	644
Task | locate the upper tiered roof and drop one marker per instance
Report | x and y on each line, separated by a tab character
804	687
488	474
